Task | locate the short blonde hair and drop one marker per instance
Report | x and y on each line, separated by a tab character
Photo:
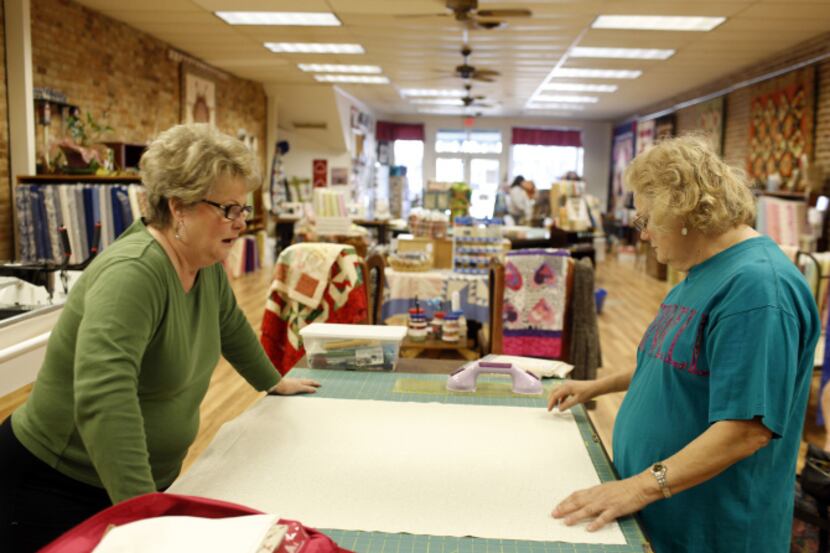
684	178
186	162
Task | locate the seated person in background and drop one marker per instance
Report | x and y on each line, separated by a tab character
521	200
115	406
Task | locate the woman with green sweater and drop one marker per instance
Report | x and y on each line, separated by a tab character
115	406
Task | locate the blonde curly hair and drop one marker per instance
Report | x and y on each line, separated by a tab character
186	162
684	179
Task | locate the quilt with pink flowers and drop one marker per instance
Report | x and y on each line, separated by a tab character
535	286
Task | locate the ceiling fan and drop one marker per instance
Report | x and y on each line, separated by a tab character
467	13
468	72
473	101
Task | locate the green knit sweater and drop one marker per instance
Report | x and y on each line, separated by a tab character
116	402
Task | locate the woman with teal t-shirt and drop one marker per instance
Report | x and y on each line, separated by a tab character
707	436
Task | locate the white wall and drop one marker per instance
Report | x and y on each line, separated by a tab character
297	162
596	140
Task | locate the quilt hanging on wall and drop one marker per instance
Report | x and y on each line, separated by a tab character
645	135
709	121
622	152
781	126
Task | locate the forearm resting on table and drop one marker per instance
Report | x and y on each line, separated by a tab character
721	446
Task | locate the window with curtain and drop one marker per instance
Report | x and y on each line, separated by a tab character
411	154
545	155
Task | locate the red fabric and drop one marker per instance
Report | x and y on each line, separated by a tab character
548	347
388	131
84	537
546	137
275	329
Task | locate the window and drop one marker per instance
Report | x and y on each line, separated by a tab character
467	142
410	153
545	164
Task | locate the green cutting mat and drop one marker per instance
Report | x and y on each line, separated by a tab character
422	388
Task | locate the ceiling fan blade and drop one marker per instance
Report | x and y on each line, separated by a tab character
487	72
489	25
504	13
483	78
420	15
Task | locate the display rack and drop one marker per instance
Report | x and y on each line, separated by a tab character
475	242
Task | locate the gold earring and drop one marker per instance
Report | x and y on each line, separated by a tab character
179	226
684	231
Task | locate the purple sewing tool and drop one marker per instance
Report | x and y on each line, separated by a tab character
464	379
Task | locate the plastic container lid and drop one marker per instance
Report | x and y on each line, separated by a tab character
344	331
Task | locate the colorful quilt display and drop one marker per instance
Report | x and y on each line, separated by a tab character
313	282
622	152
645	135
535	288
434	290
781	125
707	118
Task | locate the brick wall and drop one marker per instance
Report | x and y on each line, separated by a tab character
6	222
736	122
124	78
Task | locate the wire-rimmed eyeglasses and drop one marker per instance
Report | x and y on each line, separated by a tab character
640	223
232	212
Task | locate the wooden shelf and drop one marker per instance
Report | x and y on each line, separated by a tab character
67	179
785	194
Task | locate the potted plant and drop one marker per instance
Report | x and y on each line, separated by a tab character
82	148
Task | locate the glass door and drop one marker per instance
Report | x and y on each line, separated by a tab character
484	180
450	169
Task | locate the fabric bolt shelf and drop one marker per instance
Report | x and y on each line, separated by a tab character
42	208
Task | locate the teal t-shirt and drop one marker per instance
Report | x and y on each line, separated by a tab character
734	341
116	402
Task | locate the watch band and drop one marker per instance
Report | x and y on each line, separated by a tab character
659	472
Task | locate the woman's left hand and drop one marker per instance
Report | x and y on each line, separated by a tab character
604	503
292	386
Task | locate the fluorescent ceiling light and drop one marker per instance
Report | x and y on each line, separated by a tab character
441	111
363	79
581	73
566	98
435	92
321	19
314	48
580	87
657	22
439	101
620	53
555	106
338	68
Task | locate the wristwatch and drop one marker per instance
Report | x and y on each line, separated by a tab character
659	472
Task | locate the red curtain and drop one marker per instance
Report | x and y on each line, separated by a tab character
547	137
388	131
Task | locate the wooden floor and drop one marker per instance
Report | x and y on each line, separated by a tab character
633	300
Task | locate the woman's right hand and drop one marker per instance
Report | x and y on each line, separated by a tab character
570	393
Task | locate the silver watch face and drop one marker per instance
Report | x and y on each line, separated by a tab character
658	469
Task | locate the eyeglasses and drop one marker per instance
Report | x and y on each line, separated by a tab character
640	223
232	212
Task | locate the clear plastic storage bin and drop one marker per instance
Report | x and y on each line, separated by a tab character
342	346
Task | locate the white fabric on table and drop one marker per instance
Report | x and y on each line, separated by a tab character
420	468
